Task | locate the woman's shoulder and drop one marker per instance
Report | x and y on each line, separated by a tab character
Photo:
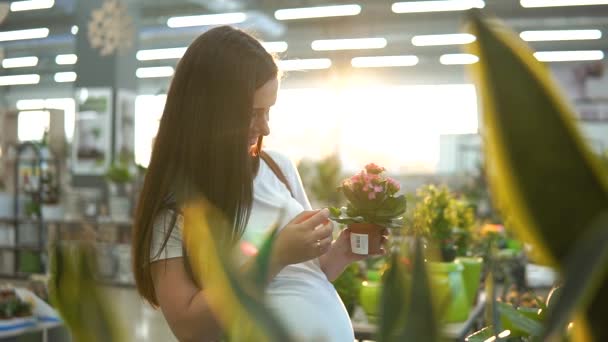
284	162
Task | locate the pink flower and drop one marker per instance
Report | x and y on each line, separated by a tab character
378	188
347	184
393	185
374	169
371	195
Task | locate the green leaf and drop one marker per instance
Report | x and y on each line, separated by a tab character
262	260
481	336
335	212
421	323
520	320
392	301
543	174
540	167
586	268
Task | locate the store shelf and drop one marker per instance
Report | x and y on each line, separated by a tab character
21	248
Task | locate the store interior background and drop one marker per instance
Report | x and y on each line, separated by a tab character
420	121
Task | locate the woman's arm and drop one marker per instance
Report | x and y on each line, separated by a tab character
183	304
186	307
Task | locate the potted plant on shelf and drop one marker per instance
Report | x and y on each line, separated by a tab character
372	206
119	178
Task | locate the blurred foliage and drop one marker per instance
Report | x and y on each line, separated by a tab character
80	301
348	286
119	173
543	176
445	220
321	178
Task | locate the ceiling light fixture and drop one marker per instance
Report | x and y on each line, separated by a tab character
458	59
305	64
24	34
163	71
436	6
207	20
555	35
348	44
561	3
29	5
568	56
317	12
443	39
19	79
20	62
384	61
67	59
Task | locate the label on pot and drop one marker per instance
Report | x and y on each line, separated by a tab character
359	243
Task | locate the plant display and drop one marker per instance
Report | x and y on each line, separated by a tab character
11	306
119	173
372	198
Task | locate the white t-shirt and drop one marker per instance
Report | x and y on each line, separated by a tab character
300	295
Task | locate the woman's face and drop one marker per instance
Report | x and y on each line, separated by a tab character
264	98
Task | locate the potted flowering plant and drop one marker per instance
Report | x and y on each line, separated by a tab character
372	206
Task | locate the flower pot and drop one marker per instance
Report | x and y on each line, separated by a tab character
365	238
120	208
471	274
369	297
450	292
52	212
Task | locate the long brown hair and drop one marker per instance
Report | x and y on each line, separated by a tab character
202	142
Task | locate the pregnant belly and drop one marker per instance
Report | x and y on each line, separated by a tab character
310	309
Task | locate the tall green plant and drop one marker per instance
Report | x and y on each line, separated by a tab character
543	175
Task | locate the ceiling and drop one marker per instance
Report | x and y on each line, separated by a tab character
376	20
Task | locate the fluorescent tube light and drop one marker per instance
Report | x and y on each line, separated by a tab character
158	54
67	59
20	62
305	64
317	12
19	79
29	5
24	34
567	56
207	19
553	35
436	6
458	58
64	77
30	104
384	61
443	39
348	44
275	46
561	3
164	71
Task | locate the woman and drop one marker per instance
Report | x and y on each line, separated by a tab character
209	138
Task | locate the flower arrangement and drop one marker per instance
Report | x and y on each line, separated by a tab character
372	198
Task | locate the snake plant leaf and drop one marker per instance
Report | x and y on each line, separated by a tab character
243	315
393	301
86	311
585	269
263	258
542	174
482	335
520	321
421	323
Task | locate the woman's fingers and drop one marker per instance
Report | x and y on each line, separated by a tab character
322	232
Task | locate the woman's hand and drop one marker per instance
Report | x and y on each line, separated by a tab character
340	255
307	236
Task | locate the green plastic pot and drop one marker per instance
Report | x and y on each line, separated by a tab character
449	291
471	275
369	297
